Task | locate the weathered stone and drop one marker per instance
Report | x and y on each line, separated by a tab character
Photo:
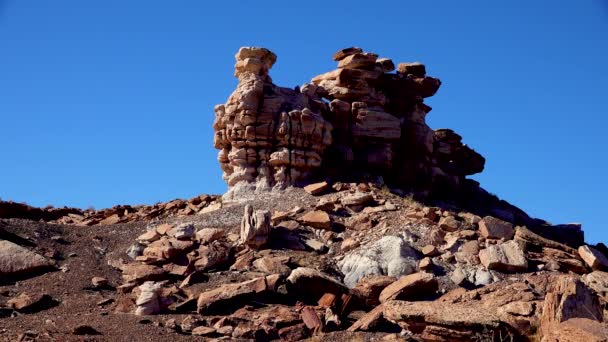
99	281
449	223
148	237
569	298
148	301
273	137
417	69
426	264
210	256
357	199
317	219
357	61
430	250
391	256
208	235
506	257
203	331
349	244
140	273
340	55
518	308
273	265
255	227
598	282
593	258
368	289
493	228
576	329
226	295
184	231
410	287
17	260
28	301
317	188
385	64
311	284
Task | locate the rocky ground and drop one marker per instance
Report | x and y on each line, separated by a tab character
346	261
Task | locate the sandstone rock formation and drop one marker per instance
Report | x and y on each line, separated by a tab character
358	119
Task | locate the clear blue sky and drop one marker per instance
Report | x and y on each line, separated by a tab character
108	102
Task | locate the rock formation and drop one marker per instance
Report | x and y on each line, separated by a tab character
360	119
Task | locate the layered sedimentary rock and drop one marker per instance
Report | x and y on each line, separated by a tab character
361	118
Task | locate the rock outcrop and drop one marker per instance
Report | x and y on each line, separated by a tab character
358	119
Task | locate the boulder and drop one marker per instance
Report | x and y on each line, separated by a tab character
493	228
598	282
317	219
317	188
18	261
390	256
449	223
593	258
575	330
568	298
255	227
410	287
505	257
148	301
357	199
228	296
368	288
310	284
208	235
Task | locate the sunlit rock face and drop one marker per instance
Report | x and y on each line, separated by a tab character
360	119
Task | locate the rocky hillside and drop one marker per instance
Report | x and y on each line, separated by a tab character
347	218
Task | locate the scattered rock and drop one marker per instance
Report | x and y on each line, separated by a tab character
317	188
493	228
317	219
208	235
430	250
29	302
311	284
16	260
410	287
184	231
255	227
368	288
391	256
593	258
227	295
569	298
349	244
449	223
506	257
99	282
148	302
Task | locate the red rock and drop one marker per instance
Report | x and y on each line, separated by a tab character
340	55
569	298
493	228
593	258
229	294
312	320
317	188
327	300
113	219
410	287
368	289
310	284
317	219
293	333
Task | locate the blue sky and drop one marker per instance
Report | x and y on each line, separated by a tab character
108	102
